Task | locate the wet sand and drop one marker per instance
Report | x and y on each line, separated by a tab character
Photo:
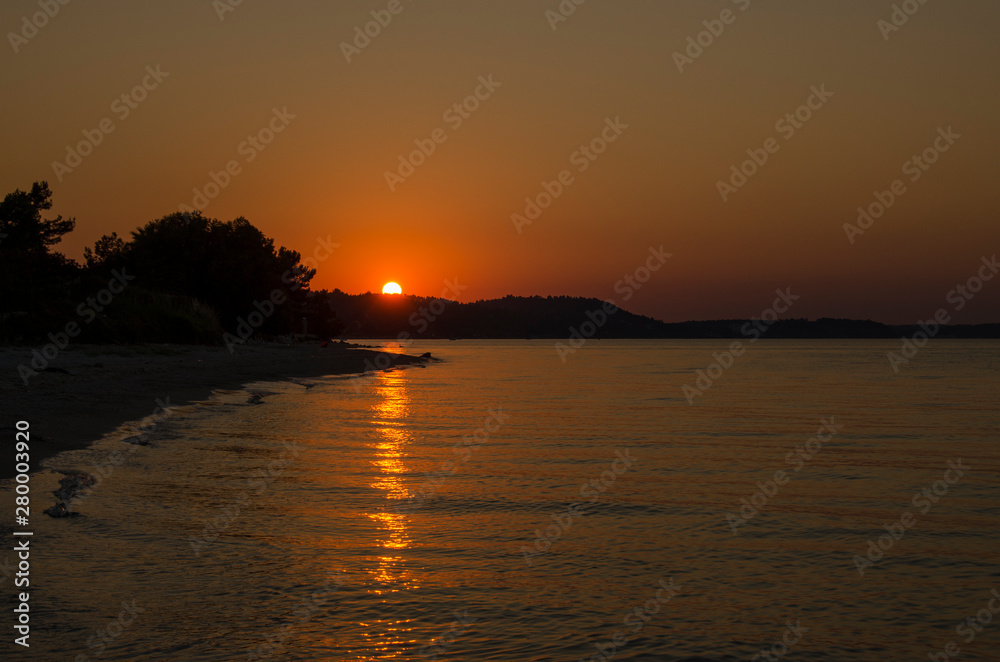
94	389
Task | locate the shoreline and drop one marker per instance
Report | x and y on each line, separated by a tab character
93	389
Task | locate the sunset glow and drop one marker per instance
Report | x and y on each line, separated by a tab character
698	355
655	183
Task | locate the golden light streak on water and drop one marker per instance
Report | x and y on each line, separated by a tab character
388	416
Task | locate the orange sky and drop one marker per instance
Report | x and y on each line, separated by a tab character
656	184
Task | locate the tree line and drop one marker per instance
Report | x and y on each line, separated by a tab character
182	278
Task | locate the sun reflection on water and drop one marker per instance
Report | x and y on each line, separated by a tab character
392	437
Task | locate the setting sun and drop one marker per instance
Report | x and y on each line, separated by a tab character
392	288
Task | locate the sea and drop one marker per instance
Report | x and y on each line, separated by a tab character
520	501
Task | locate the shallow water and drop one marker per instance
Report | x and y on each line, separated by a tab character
285	530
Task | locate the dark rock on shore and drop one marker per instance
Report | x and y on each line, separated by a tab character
71	485
59	510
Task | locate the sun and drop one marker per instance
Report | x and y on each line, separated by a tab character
392	288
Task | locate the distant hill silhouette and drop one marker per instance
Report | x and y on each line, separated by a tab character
386	316
378	315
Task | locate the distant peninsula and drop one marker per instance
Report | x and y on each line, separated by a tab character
387	316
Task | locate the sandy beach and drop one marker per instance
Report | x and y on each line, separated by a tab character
91	390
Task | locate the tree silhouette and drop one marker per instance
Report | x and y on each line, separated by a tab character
30	273
228	265
109	253
188	275
21	220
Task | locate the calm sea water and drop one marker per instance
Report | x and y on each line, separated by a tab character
290	530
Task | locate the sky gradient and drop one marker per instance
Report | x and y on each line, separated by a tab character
552	92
